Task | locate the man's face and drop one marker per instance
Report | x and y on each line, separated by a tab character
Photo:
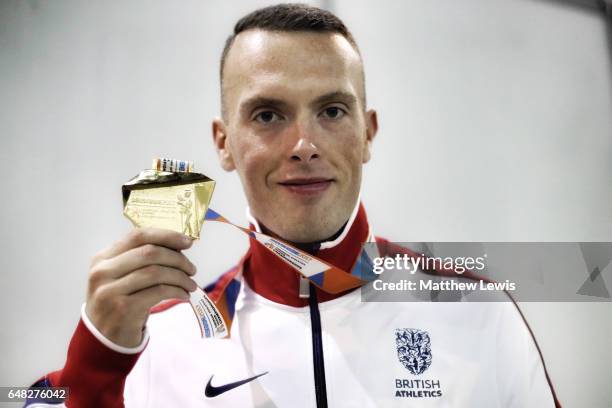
295	129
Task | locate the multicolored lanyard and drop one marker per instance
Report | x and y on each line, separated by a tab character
215	318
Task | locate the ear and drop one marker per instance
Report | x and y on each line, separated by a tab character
219	135
371	119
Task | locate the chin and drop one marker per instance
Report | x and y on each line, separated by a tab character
303	224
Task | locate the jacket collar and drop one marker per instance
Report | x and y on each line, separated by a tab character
273	279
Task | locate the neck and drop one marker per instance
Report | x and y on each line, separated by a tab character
308	247
273	279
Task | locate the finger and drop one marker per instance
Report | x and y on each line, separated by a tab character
149	297
143	236
152	275
141	257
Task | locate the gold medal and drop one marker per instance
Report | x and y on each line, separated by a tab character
176	200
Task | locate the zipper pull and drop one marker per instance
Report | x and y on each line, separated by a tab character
304	288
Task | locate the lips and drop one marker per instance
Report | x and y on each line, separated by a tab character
307	186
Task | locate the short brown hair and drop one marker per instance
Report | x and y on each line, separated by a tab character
289	17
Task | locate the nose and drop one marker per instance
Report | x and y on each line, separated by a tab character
304	151
305	148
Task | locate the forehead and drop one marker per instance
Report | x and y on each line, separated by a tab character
290	63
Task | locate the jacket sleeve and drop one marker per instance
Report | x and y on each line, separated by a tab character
521	374
95	369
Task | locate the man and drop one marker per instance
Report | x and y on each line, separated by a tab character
296	129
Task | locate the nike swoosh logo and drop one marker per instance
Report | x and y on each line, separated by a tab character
211	391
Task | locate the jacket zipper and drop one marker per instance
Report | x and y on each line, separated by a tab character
317	349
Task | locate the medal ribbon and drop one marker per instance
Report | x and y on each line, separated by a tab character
215	317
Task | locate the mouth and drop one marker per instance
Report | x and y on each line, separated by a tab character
307	186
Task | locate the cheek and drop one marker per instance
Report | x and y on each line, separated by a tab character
346	149
350	133
253	162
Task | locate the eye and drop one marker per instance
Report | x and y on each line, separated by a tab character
267	117
333	112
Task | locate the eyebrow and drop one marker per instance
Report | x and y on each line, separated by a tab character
334	96
258	101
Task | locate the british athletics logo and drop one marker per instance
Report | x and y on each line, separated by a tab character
413	348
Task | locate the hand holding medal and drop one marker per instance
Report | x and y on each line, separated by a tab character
170	196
